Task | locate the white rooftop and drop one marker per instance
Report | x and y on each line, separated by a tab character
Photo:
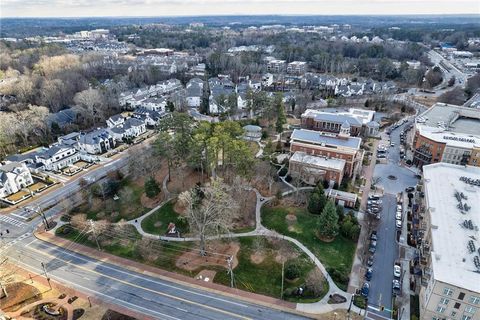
323	162
450	138
452	261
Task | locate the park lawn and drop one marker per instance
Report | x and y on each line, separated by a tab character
162	217
127	207
169	252
337	254
266	278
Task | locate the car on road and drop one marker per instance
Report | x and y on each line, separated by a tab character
365	289
373	246
373	235
409	189
398	215
397	270
370	261
392	144
369	274
398	224
396	288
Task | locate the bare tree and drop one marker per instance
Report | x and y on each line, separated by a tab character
92	101
209	210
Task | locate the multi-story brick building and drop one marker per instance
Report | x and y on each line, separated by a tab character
357	119
313	169
447	133
336	146
449	254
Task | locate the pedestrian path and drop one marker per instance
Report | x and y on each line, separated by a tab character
11	220
6	245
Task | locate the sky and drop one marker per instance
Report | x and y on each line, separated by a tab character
95	8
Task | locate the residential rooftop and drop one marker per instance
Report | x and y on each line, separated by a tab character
325	139
452	261
453	118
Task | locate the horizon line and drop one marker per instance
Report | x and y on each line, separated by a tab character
252	15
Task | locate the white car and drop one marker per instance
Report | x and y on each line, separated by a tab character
398	215
398	224
399	207
392	144
397	271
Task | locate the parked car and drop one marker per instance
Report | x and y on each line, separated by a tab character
369	274
365	289
373	197
409	189
374	202
398	224
370	261
398	215
373	246
397	270
399	207
377	216
373	210
396	288
373	235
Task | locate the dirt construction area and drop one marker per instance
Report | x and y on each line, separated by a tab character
217	254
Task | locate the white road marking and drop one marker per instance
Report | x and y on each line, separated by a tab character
77	256
119	302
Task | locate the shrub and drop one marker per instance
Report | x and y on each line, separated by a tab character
292	270
283	172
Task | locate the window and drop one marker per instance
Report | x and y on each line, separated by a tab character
453	314
444	301
469	309
474	300
448	292
461	296
465	317
440	309
457	305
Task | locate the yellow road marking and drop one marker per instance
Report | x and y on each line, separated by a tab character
143	288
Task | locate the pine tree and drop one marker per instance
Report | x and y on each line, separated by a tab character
328	221
152	189
317	200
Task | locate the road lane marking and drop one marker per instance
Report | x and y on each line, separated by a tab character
120	302
19	216
143	288
79	256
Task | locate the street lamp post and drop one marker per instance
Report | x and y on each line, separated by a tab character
351	301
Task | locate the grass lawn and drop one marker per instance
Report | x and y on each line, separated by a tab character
337	254
127	207
266	277
167	252
157	222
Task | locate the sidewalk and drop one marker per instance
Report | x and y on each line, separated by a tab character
357	272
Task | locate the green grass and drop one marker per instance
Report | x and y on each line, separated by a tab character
266	277
337	254
164	216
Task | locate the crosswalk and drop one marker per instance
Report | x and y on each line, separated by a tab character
6	245
11	220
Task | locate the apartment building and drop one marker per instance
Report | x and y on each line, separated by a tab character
297	67
450	250
276	66
447	133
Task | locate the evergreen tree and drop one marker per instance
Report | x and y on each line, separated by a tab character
328	221
152	189
317	200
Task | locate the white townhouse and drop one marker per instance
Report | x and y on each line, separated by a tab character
14	176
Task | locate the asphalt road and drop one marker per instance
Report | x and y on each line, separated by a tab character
151	296
387	246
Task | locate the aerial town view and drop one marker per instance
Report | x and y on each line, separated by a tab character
239	160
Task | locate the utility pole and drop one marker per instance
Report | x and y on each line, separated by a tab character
46	276
230	270
92	226
283	273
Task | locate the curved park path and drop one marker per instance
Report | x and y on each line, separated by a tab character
321	306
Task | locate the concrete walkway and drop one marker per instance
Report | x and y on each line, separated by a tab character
317	307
